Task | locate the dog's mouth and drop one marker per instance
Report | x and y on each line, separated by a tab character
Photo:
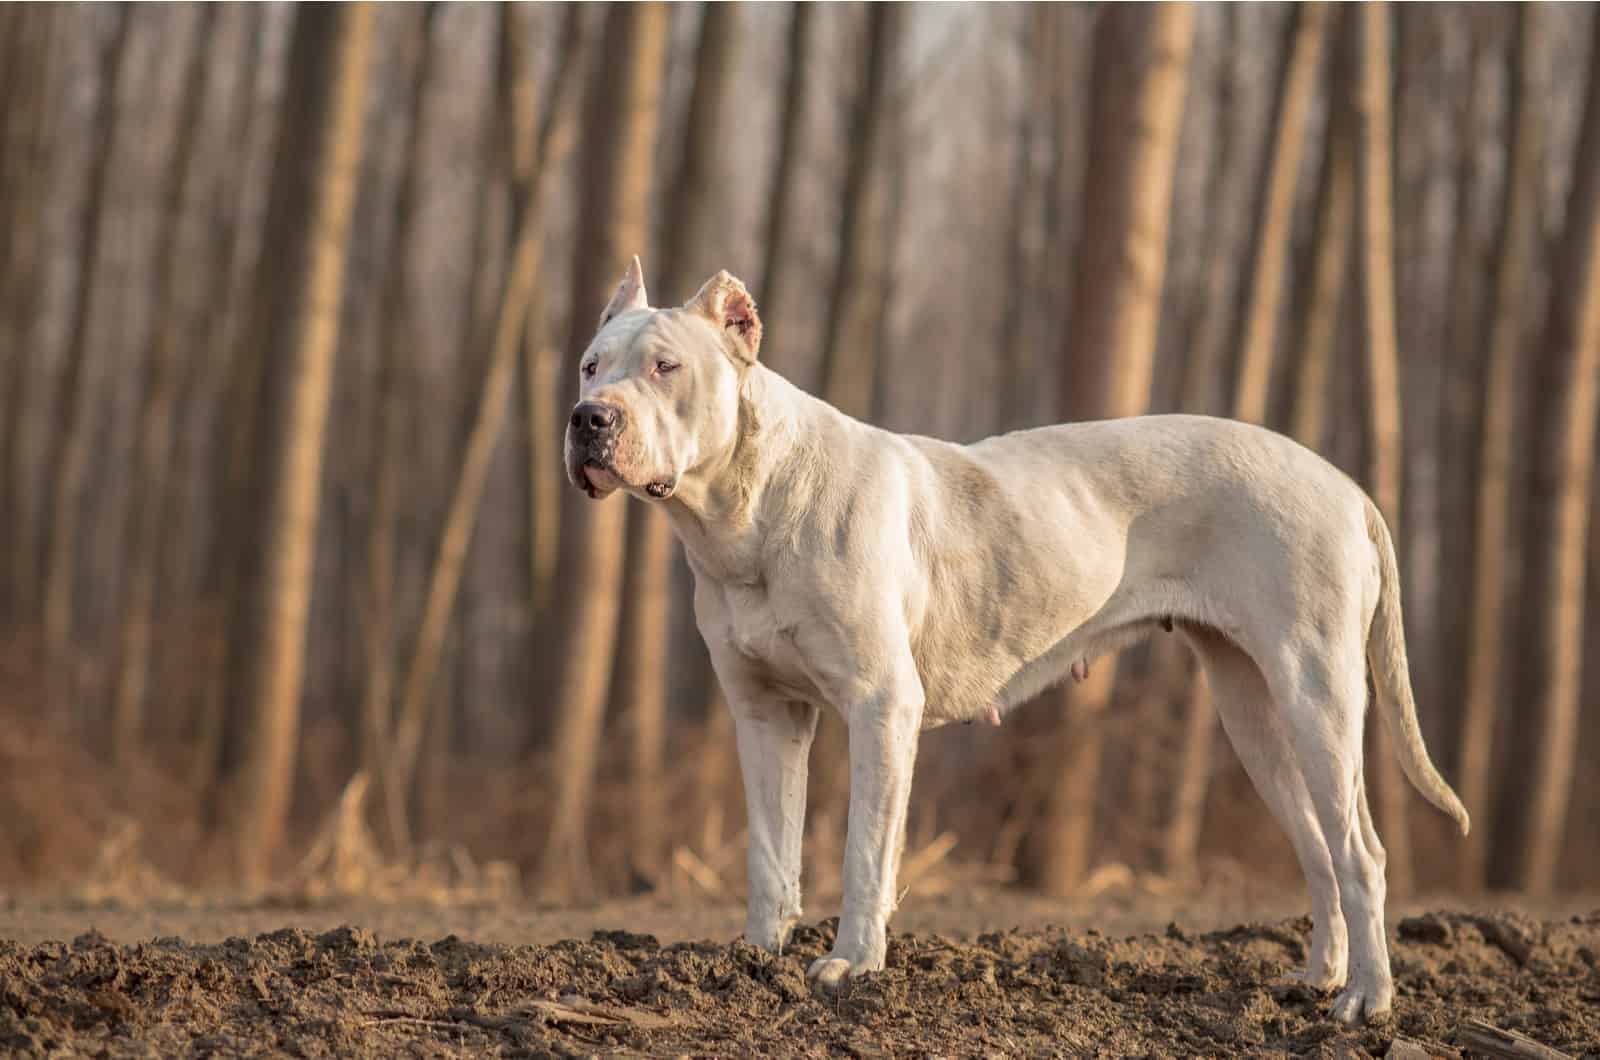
600	481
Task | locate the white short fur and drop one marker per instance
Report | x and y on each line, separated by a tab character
908	582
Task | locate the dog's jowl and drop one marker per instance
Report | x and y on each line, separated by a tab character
908	582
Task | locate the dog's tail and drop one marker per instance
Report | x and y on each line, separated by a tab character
1391	677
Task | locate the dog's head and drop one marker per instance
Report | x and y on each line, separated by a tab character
658	389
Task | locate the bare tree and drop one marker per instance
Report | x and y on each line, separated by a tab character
158	413
530	181
1535	817
1504	328
1297	82
786	162
620	122
69	463
1141	58
1328	267
1386	452
848	356
308	226
684	241
27	46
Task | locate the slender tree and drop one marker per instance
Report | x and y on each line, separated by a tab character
27	104
616	162
786	162
685	238
1535	818
1504	328
1375	221
1141	58
1297	80
1327	268
848	356
158	412
529	182
69	463
308	227
390	425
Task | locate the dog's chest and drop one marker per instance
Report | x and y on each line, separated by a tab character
762	632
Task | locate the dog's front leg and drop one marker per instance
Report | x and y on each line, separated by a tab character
774	740
883	750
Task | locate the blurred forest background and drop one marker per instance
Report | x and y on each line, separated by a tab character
291	307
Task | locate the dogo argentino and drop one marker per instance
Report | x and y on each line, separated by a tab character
909	582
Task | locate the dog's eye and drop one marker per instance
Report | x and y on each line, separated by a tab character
666	367
588	369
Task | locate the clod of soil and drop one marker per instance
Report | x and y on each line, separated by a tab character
1038	993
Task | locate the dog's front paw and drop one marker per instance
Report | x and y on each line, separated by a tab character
831	971
770	935
1362	1003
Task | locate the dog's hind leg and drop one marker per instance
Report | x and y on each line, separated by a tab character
1259	737
1325	711
774	739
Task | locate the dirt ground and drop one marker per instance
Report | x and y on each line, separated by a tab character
985	973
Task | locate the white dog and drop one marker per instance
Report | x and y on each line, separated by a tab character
909	582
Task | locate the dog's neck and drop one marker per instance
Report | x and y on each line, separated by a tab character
716	509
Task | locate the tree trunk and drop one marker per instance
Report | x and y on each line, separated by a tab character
26	110
786	166
158	413
542	375
69	463
622	111
848	355
1534	815
1017	374
530	183
646	627
1297	82
1328	271
1504	328
1141	57
1386	452
391	425
308	227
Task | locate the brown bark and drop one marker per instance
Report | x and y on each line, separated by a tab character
1210	321
157	415
786	166
390	427
1141	55
69	461
1328	270
646	626
26	108
1018	376
1274	225
621	115
542	374
1385	451
530	184
308	227
848	352
1534	814
1504	330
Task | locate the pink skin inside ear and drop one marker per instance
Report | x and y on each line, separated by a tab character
991	714
1080	670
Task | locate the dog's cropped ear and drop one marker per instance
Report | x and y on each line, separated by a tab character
630	294
725	302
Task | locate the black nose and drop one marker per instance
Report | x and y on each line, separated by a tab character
592	417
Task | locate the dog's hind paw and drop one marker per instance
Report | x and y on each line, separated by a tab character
1360	1004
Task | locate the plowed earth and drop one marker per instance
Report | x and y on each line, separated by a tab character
1036	992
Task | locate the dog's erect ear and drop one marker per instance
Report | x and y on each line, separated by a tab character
724	301
630	294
